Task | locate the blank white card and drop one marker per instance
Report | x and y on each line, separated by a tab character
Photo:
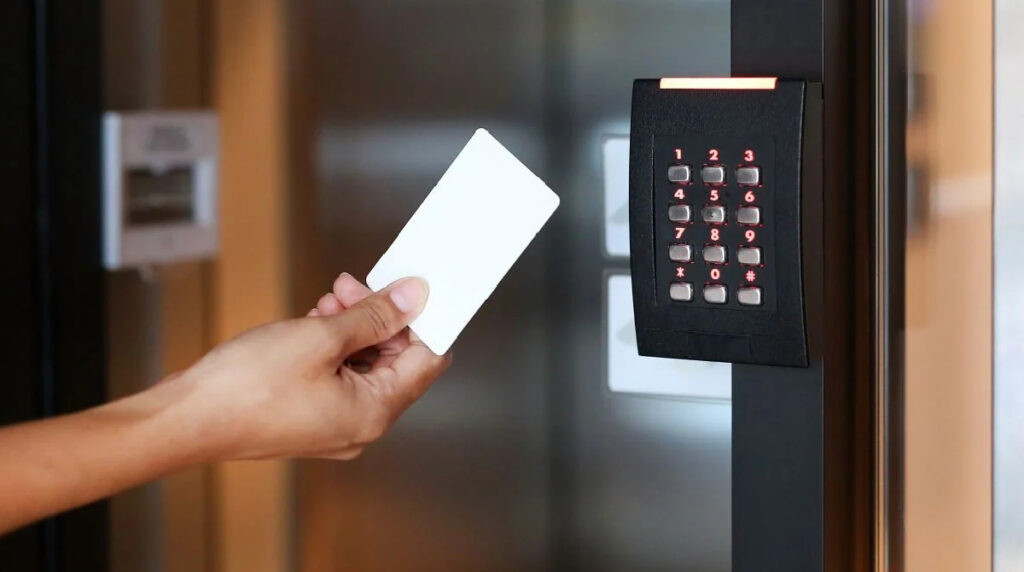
467	234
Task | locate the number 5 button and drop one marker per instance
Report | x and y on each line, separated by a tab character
713	214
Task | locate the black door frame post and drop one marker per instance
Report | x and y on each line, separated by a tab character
803	439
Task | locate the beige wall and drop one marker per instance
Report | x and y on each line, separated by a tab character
253	512
949	270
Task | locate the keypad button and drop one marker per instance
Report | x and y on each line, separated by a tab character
716	294
713	214
748	215
680	213
748	176
681	291
679	173
713	175
749	255
750	296
715	254
680	252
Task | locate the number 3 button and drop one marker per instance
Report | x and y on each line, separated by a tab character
748	176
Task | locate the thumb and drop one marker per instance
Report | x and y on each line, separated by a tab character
380	316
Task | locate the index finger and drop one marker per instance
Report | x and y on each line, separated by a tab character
381	316
350	291
412	373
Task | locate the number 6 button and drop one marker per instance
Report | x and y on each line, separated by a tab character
748	215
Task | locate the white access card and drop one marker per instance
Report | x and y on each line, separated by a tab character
466	235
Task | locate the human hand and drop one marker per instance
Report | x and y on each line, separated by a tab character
325	385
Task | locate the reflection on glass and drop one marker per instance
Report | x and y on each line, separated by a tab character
948	286
520	459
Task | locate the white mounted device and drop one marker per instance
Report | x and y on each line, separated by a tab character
159	187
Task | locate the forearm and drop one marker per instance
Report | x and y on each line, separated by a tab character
60	463
280	390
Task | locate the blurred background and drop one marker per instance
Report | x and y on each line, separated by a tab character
550	445
336	119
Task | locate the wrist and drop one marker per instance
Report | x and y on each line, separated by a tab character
180	420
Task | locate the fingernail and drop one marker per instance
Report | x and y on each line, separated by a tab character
409	294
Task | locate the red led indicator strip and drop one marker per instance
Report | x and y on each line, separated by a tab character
719	82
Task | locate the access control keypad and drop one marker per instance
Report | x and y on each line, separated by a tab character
725	204
713	222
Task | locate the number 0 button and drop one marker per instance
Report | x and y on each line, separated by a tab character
716	294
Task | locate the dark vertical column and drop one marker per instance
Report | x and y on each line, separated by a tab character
51	343
69	206
19	356
802	442
848	268
777	433
778	38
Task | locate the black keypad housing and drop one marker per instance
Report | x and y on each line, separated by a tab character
703	129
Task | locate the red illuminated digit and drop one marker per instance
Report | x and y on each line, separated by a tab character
680	194
712	154
749	197
748	155
716	274
679	155
679	232
714	194
750	235
680	272
715	234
